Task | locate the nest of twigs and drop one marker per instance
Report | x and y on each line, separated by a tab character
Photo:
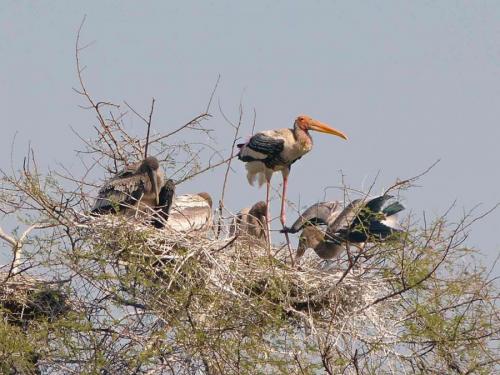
234	270
24	298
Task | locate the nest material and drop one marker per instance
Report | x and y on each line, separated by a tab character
24	298
238	270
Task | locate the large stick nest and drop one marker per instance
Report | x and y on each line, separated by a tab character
233	270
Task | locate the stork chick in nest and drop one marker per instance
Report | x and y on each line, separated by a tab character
251	222
363	220
139	188
191	213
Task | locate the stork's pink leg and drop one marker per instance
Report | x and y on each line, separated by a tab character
283	216
283	200
268	219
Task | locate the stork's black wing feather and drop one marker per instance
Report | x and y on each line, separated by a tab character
268	147
369	211
366	219
166	197
376	204
393	209
266	144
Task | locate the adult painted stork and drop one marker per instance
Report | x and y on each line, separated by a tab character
251	222
276	150
191	213
360	221
139	188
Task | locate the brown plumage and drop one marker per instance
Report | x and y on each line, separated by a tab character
276	150
313	237
251	222
139	188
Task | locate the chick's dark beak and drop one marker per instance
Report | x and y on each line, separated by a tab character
154	183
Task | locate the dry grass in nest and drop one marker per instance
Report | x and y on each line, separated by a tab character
238	273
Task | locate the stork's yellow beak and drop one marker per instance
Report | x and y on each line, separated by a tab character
324	128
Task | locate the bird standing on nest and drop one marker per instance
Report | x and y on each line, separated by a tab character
276	150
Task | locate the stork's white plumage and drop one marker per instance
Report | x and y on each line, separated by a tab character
276	150
190	212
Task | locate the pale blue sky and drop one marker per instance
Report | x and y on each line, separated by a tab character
409	82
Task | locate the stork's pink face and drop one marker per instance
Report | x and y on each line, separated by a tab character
307	123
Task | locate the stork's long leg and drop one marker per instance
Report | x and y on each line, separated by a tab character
283	200
283	216
268	216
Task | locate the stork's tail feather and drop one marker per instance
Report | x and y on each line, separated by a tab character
384	228
393	209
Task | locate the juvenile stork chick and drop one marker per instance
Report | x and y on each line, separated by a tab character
327	227
138	188
191	213
251	222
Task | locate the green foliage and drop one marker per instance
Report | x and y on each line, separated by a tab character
18	351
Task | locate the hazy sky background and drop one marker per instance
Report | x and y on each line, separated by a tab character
409	82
